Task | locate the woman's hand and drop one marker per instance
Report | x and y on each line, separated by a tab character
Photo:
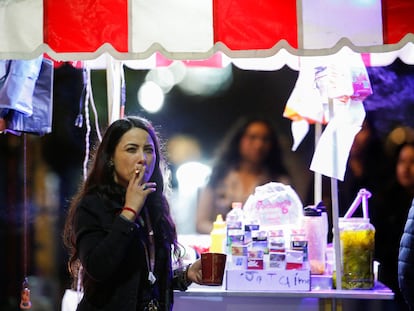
194	272
137	192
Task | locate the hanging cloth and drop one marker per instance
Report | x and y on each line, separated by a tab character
17	83
27	107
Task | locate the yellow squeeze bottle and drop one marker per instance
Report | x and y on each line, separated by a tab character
218	235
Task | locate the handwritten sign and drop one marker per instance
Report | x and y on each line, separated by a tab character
268	280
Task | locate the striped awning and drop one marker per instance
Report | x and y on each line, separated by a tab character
197	29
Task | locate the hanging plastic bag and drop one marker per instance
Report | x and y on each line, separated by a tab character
71	298
274	204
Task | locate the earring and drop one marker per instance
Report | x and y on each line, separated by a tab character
111	163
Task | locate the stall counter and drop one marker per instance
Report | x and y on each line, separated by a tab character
217	298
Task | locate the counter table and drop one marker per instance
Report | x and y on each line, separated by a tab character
320	298
217	298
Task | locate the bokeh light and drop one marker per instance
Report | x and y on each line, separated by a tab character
151	96
192	175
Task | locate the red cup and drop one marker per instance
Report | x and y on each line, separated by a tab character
213	266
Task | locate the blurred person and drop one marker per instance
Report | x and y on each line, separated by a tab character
389	215
387	178
367	167
249	156
405	167
406	260
119	230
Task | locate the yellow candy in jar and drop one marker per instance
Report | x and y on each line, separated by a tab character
357	238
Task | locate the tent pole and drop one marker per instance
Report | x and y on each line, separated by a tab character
335	206
113	81
317	176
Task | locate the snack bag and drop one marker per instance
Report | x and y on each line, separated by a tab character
274	204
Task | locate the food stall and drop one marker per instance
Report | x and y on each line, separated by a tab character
254	37
281	257
246	293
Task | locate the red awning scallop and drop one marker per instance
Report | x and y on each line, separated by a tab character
187	29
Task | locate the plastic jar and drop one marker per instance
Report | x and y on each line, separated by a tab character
316	235
357	238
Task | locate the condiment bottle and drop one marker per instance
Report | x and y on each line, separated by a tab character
218	235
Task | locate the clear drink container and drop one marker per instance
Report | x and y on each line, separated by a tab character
316	235
357	238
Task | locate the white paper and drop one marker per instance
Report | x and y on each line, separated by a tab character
332	151
299	130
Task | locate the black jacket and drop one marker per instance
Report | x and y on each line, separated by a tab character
406	260
113	257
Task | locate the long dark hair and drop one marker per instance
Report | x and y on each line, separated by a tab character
101	176
228	156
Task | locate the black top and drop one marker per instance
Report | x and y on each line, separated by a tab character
112	253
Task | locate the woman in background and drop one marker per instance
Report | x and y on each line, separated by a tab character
119	228
249	156
405	168
388	215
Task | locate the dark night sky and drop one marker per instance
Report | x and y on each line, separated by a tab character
392	101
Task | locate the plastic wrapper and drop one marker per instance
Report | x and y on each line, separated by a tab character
274	204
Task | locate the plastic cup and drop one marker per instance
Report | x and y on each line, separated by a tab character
213	266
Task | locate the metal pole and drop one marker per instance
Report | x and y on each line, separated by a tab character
335	207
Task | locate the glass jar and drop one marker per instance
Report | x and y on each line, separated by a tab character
357	238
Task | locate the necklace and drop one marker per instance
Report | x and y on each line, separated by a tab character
150	251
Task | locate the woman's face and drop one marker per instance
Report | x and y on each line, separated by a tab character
255	144
134	151
405	167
